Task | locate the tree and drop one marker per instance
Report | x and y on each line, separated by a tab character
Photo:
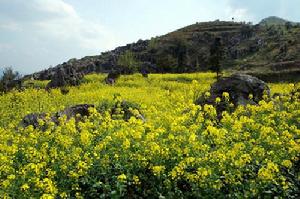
288	25
9	80
246	31
179	51
128	62
216	56
153	44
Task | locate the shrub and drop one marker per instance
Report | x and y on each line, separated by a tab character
128	63
10	80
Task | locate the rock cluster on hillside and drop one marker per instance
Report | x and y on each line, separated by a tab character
66	76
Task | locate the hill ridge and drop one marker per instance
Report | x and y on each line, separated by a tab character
187	49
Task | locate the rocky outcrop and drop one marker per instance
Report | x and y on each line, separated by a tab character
71	112
112	77
67	76
239	87
33	119
123	110
81	110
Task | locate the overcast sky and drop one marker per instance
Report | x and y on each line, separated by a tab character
35	34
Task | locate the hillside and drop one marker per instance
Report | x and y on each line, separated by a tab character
247	47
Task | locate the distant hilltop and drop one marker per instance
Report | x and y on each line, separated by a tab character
247	46
273	20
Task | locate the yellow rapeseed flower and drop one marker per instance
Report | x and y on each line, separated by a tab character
122	178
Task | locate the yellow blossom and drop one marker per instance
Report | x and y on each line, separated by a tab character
122	178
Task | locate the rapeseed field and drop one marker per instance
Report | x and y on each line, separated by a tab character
180	150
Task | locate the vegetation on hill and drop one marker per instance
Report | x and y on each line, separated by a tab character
246	47
180	150
127	63
273	20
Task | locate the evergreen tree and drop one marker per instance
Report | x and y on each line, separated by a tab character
216	56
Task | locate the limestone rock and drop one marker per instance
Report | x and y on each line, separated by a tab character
239	87
70	112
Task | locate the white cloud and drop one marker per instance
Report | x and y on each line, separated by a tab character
5	47
55	7
222	10
9	26
39	33
64	24
239	14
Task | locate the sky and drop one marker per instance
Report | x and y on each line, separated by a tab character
36	34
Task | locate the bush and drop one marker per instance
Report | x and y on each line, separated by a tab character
128	63
10	80
120	109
